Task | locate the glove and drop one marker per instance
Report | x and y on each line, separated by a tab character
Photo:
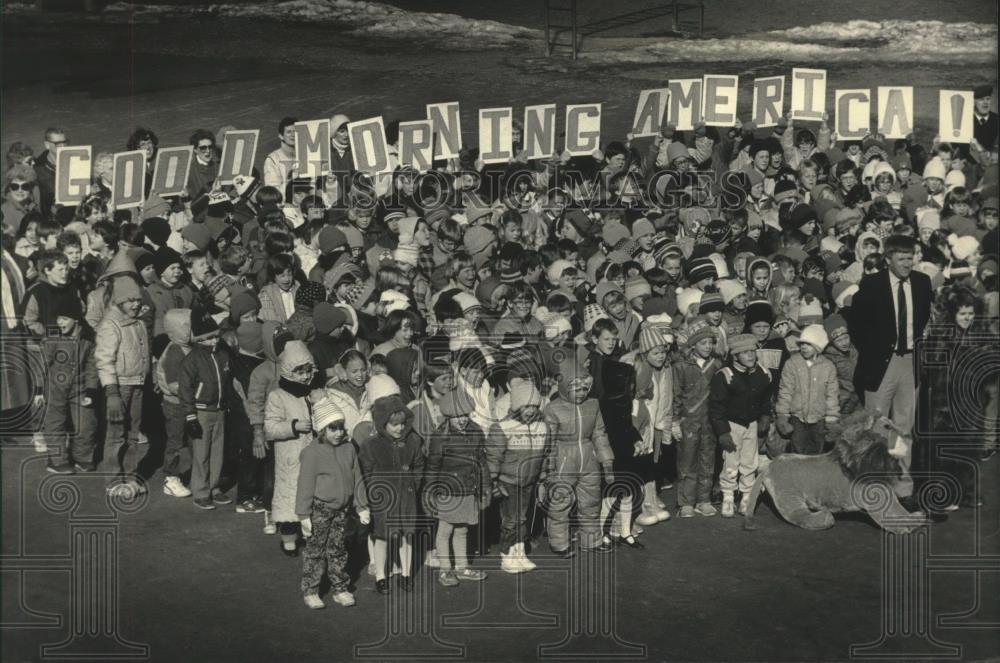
609	474
307	527
365	517
193	429
115	407
784	426
259	443
726	442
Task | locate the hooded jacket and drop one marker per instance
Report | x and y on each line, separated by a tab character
166	299
845	363
752	292
576	427
808	393
97	304
331	474
692	386
122	349
856	270
264	378
177	325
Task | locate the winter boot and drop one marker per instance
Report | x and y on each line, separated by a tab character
526	564
728	507
509	561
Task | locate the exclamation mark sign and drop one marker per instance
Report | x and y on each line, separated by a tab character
957	106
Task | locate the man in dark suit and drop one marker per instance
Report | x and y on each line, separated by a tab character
888	317
985	123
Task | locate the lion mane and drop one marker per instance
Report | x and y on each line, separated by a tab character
861	451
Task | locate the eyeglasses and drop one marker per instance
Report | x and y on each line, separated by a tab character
57	142
21	186
204	148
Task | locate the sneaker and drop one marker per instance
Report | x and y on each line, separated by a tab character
706	509
447	579
687	511
564	554
62	468
667	485
314	602
744	504
728	508
989	454
509	563
648	517
174	487
604	547
142	439
432	560
662	515
522	557
248	506
470	574
222	498
345	599
269	526
85	467
204	503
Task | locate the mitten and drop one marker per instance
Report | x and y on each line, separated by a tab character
726	442
365	517
784	426
193	428
307	527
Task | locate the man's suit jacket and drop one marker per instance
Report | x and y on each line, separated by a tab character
872	324
986	133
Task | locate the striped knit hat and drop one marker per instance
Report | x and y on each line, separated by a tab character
649	338
591	314
324	413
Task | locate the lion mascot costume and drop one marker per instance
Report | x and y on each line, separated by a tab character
859	474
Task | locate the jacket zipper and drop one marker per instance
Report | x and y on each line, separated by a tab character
218	381
579	434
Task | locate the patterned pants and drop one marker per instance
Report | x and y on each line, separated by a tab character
325	549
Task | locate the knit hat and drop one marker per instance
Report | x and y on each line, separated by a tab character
835	326
309	294
730	289
718	232
125	289
466	301
328	317
341	271
742	343
407	254
954	179
394	300
642	227
203	326
811	311
144	260
486	288
157	229
331	238
164	257
831	261
699	269
198	234
935	168
456	403
699	329
324	413
847	218
591	314
928	218
614	232
636	286
710	301
962	247
721	267
650	337
555	324
579	220
250	337
814	335
677	151
355	239
605	288
475	208
478	239
842	291
801	215
380	386
510	275
217	283
526	394
759	310
407	228
686	298
556	270
242	303
785	190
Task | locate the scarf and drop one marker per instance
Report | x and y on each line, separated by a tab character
296	389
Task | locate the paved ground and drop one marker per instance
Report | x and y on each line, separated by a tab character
211	587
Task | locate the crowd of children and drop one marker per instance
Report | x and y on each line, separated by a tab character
492	350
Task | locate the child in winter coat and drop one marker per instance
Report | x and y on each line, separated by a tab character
177	325
739	399
71	389
696	451
121	355
844	356
330	485
169	292
204	388
392	459
655	390
253	480
516	451
580	453
288	425
809	394
457	485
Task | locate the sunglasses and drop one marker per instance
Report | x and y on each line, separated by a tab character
21	186
204	148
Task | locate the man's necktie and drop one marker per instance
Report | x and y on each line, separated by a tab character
901	346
